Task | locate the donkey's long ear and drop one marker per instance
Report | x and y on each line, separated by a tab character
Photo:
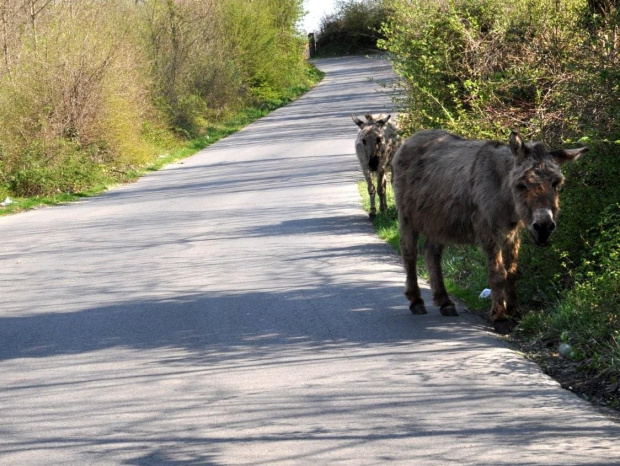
567	155
517	146
383	120
358	122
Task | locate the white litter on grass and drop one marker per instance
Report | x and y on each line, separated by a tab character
565	350
7	201
486	293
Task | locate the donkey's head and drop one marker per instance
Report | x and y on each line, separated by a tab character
371	137
534	181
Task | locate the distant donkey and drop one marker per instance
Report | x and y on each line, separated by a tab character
458	191
376	144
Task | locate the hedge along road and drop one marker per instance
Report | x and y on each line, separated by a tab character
237	308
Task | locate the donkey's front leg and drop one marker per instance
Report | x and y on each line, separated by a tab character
381	185
497	281
371	193
409	252
432	254
510	254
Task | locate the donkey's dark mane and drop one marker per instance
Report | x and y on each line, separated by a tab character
537	151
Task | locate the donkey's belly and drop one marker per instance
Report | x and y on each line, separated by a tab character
449	232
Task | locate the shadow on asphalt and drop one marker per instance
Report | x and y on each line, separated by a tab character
228	335
236	327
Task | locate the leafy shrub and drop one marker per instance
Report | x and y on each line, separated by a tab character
92	89
481	67
589	315
58	169
75	98
211	58
355	27
189	65
264	43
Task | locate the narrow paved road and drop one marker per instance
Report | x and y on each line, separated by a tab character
237	308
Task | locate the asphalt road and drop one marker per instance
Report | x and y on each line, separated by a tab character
237	308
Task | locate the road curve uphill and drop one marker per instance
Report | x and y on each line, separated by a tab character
237	308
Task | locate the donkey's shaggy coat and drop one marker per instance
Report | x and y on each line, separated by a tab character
459	191
375	145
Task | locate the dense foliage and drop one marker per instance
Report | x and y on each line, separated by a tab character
552	71
354	28
92	89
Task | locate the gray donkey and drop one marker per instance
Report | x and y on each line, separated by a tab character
458	191
375	145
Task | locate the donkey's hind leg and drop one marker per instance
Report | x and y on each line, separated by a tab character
371	192
409	252
432	253
381	187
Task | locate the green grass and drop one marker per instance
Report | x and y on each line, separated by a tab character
385	223
212	133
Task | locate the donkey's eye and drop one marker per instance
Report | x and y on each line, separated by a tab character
378	140
521	186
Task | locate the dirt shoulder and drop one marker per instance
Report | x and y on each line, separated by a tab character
603	391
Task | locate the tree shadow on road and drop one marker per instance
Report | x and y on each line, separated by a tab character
233	335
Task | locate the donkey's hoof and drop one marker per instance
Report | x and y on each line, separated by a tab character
372	215
418	309
448	310
503	327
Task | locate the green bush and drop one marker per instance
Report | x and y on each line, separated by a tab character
354	28
73	96
588	317
64	168
480	67
89	90
213	58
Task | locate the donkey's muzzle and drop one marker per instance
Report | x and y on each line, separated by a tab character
373	163
542	231
542	226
